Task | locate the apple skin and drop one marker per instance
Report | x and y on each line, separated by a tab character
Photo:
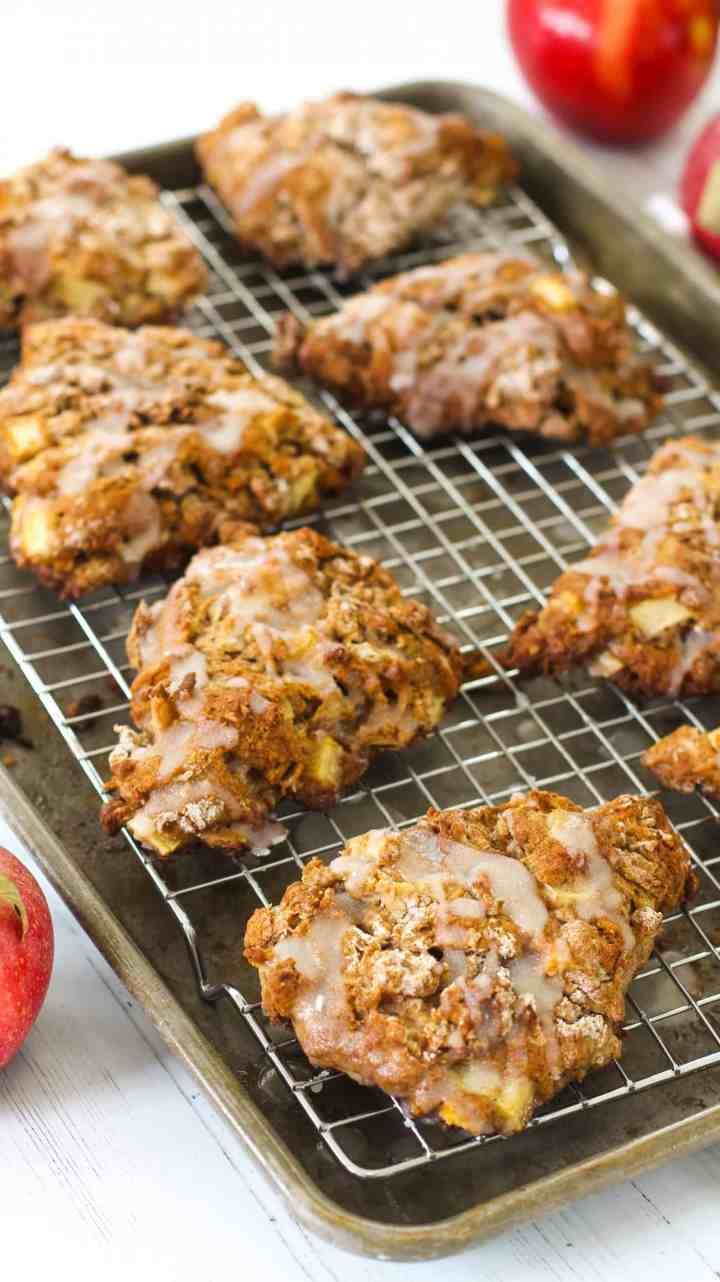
27	948
700	187
622	71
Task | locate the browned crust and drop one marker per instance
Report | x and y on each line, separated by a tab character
483	338
688	758
127	452
661	547
347	180
84	237
408	1023
345	668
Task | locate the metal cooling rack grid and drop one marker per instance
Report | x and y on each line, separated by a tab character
478	529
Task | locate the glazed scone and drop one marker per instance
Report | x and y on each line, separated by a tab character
644	607
128	451
275	668
475	963
83	237
347	180
483	338
688	758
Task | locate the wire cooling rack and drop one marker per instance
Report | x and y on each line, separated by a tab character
478	529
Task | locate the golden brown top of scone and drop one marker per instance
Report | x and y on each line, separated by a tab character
686	759
349	179
474	963
84	237
484	338
133	449
644	606
275	667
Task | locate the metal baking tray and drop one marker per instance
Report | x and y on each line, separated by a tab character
478	528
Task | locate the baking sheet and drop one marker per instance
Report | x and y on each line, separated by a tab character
478	529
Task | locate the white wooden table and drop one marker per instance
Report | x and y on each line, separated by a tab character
109	1158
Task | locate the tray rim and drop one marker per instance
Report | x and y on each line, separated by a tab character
313	1208
306	1202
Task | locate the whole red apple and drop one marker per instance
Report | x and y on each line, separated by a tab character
26	953
620	70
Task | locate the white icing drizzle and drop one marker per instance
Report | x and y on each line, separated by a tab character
321	1004
456	962
143	528
487	367
697	642
312	669
529	979
128	388
479	1078
258	584
594	894
647	506
575	832
258	588
94	454
356	867
531	983
41	375
240	407
198	804
469	909
350	323
368	128
512	884
261	589
264	178
185	662
184	737
434	863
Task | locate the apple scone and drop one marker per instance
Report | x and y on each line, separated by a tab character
479	339
348	180
83	237
275	668
127	451
644	607
688	758
475	963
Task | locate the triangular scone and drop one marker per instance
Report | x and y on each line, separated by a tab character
475	963
348	180
644	607
479	339
274	668
128	451
83	237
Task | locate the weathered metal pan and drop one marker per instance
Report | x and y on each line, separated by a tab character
441	1206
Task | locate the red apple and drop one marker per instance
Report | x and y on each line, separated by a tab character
26	953
620	70
700	187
